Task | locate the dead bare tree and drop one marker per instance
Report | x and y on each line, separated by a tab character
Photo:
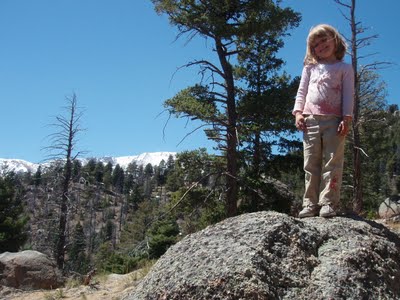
358	41
62	148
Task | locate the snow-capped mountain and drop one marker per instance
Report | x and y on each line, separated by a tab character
17	165
153	158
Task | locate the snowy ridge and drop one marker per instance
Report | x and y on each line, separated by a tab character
153	158
17	165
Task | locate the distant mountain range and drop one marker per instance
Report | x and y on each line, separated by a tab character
153	158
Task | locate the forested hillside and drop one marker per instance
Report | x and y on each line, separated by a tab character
119	218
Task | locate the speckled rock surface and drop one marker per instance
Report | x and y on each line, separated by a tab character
267	255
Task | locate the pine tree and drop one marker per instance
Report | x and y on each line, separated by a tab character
118	177
37	179
107	176
99	172
77	171
12	220
267	127
78	261
230	26
162	235
88	170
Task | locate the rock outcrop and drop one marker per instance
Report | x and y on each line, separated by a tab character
28	270
390	207
267	255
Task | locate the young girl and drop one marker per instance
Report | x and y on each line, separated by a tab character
323	110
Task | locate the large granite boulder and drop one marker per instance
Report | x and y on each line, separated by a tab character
390	207
28	270
267	255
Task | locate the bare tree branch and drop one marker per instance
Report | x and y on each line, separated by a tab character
342	3
190	133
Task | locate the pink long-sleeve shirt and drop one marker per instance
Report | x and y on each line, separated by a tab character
326	89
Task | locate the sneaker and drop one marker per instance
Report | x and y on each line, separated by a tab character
309	211
327	211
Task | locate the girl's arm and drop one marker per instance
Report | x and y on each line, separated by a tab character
302	91
347	101
300	121
344	125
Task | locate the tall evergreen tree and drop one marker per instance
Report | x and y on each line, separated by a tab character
77	255
118	178
13	232
76	170
99	172
107	176
88	171
230	25
264	108
37	178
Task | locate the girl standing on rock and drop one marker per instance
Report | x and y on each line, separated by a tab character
323	110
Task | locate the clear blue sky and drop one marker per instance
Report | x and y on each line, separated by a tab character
119	57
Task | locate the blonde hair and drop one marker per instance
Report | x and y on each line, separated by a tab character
324	30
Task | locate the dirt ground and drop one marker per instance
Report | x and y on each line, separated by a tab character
393	226
110	287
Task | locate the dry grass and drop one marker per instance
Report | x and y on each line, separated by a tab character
103	287
393	226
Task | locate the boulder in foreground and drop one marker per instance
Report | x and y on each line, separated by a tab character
28	270
268	255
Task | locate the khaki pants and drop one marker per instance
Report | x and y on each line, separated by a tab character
323	160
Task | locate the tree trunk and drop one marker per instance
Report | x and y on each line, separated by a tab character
256	170
70	129
357	182
231	134
231	182
63	216
257	149
357	185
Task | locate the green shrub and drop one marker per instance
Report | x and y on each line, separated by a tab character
109	261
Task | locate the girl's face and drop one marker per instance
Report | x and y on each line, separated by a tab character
324	48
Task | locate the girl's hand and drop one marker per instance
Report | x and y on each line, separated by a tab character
300	122
344	126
